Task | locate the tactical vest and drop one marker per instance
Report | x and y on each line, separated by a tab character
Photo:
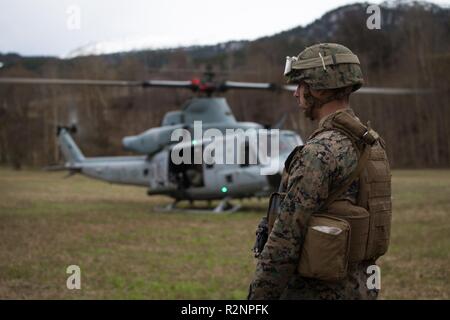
369	236
365	225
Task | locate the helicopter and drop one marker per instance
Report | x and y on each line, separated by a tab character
153	166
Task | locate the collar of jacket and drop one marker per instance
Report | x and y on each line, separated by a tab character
348	110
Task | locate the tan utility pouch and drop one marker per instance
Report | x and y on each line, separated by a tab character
326	248
358	219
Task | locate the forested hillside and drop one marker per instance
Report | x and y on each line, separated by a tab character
412	49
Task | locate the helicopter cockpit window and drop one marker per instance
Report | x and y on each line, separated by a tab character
288	143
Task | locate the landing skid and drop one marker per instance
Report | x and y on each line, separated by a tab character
225	206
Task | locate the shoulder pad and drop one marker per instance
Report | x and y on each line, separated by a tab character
354	127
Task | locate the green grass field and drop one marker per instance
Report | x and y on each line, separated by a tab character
126	250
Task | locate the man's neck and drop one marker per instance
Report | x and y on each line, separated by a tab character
329	114
332	107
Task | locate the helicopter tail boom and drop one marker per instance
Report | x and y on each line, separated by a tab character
70	150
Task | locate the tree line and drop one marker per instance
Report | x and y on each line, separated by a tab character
410	50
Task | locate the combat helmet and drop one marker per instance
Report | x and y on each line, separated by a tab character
325	66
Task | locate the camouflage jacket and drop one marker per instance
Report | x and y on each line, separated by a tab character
319	167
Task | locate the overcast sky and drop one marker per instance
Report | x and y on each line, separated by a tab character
57	27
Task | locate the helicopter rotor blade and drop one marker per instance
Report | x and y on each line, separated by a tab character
195	86
377	90
247	85
70	82
88	82
392	91
167	84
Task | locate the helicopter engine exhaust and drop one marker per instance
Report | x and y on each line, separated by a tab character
129	143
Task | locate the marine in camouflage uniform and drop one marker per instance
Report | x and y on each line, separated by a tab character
322	164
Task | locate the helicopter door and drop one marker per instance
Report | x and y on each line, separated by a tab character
159	171
186	175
